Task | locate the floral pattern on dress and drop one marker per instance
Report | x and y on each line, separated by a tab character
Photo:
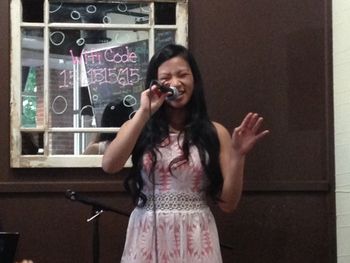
181	230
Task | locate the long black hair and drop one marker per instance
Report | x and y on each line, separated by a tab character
199	130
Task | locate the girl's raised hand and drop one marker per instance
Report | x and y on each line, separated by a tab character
247	134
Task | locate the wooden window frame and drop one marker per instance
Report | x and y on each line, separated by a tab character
45	160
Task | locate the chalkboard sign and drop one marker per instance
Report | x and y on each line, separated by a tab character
116	74
163	38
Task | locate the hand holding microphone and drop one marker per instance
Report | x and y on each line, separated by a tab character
153	97
173	92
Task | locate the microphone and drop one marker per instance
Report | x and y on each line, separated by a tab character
164	89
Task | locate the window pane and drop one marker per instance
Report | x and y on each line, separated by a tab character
32	143
32	78
33	10
164	37
101	13
64	143
85	78
84	143
165	13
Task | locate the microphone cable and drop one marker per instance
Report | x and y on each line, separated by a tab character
154	210
225	246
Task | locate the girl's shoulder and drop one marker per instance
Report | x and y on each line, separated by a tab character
221	130
219	127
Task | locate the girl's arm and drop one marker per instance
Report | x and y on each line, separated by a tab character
119	150
233	150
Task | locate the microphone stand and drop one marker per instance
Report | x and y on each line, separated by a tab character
95	212
97	209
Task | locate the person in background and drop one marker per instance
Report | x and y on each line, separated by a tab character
114	115
180	158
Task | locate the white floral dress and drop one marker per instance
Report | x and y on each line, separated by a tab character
181	228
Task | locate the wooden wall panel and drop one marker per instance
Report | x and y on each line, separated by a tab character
269	56
54	228
272	57
278	227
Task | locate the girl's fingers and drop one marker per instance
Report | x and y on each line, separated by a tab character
246	120
257	124
262	134
252	121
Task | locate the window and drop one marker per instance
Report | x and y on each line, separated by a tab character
75	60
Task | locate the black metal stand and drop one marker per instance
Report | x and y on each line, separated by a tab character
95	212
97	209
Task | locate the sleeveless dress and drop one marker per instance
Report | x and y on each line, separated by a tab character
176	224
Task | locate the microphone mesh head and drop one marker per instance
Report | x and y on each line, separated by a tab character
174	95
